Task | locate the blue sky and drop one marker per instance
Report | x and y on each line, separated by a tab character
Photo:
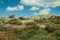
28	8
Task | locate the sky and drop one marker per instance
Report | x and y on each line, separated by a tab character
27	8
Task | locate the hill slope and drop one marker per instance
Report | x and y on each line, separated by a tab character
34	28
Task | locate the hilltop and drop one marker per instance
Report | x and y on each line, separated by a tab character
41	27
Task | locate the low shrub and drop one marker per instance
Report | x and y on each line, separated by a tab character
30	23
15	22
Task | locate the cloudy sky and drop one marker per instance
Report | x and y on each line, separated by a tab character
28	8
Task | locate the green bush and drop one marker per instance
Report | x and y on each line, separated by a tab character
49	28
15	22
2	20
47	38
57	32
12	16
3	29
22	18
30	23
38	20
27	32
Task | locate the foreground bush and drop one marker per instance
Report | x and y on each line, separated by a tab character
47	38
3	29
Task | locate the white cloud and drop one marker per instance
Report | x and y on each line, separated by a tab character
46	4
32	2
11	8
52	3
41	3
17	8
20	7
34	8
56	3
44	11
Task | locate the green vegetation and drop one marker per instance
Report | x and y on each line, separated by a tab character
14	22
21	28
